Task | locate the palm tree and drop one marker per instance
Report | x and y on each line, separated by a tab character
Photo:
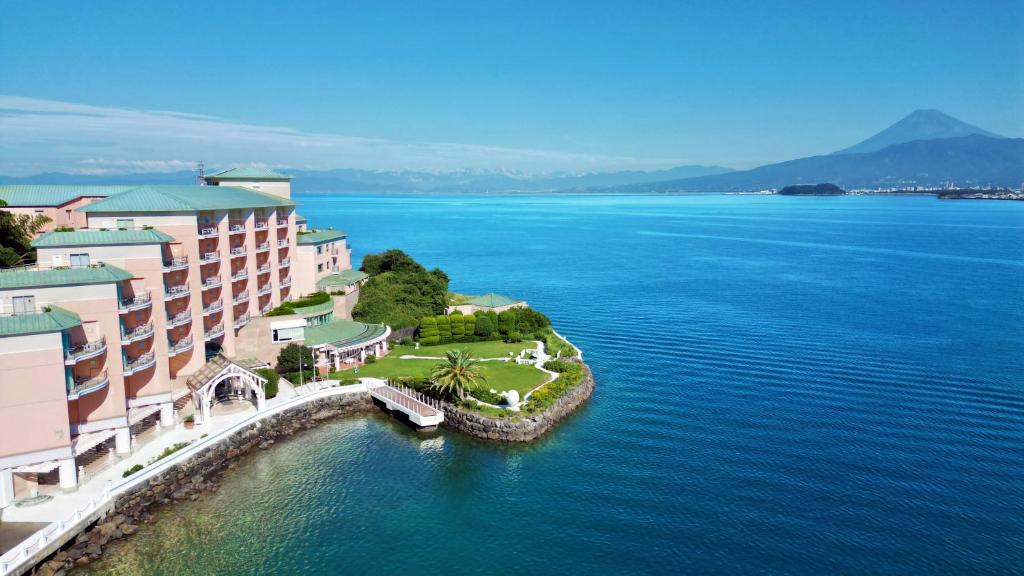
457	374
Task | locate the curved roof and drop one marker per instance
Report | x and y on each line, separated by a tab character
185	198
101	238
37	277
248	173
342	278
51	319
343	333
492	300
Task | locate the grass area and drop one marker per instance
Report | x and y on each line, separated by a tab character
476	349
552	344
500	376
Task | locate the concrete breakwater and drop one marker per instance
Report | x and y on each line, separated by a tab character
522	429
189	479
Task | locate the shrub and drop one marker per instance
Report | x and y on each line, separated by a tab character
484	328
469	327
132	470
288	308
288	358
190	418
406	341
370	358
64	229
444	329
506	322
514	337
569	375
488	396
270	388
458	327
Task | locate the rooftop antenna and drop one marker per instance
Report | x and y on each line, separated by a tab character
201	173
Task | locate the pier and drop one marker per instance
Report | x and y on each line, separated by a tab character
421	410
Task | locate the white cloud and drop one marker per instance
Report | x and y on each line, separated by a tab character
47	136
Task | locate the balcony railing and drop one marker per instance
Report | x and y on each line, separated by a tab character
242	320
236	228
286	282
243	297
211	282
214	332
214	307
84	352
285	262
263	269
135	303
266	308
209	257
175	348
282	243
262	225
240	275
176	263
179	319
176	292
208	232
88	385
140	363
263	247
264	290
282	223
135	334
239	251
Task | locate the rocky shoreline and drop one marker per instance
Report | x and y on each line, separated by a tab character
202	474
524	429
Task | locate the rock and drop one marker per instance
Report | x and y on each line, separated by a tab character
94	550
108	528
129	529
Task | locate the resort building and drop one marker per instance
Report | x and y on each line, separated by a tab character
487	303
145	298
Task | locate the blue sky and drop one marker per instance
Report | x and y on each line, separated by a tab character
526	86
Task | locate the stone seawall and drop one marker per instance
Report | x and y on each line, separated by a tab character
191	478
526	428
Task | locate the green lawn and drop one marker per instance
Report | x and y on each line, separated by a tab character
500	375
476	349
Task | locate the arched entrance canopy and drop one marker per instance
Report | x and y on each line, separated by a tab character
204	382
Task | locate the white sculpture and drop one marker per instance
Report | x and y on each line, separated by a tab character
512	397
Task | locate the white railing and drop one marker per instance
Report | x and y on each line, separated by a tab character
85	351
207	232
285	262
242	320
214	332
175	348
211	282
176	291
263	247
18	558
242	297
282	222
265	289
215	306
176	263
209	257
240	275
140	363
236	228
262	225
239	251
137	333
263	269
286	282
179	319
136	303
282	243
83	386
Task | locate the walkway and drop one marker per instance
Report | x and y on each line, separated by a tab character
421	410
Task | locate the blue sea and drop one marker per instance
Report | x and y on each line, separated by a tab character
785	386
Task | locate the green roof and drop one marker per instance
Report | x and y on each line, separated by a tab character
185	198
101	238
320	237
37	277
18	195
342	333
343	278
51	319
492	300
249	173
315	308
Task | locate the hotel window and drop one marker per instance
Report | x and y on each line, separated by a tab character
320	267
23	304
79	260
319	249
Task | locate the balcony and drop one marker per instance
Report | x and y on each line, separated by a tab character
88	385
284	263
262	225
263	269
236	228
282	223
238	251
241	298
183	345
175	292
140	363
213	308
135	334
264	290
242	320
286	282
240	275
208	232
135	303
215	332
264	247
84	352
176	263
282	243
209	258
211	282
179	319
266	308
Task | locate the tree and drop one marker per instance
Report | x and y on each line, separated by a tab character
400	291
458	327
457	374
16	232
270	388
288	358
444	329
484	328
428	331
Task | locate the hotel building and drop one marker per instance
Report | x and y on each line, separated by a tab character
135	289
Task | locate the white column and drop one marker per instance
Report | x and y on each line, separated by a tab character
123	441
205	406
68	474
362	354
167	414
337	360
6	487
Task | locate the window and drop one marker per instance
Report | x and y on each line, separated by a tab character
79	260
23	304
125	223
319	249
320	267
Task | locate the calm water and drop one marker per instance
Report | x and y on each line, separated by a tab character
786	386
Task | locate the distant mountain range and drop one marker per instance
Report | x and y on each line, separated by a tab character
927	148
350	180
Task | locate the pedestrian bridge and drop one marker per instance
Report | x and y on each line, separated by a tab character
421	410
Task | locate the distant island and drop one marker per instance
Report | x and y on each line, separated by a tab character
969	194
825	189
